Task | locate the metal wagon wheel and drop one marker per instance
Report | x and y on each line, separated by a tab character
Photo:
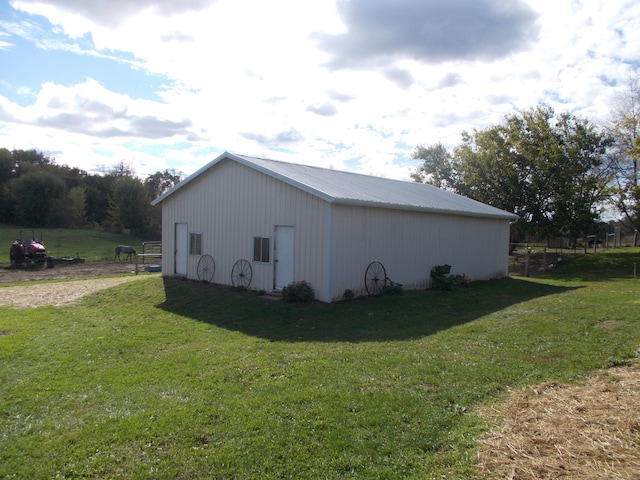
241	274
206	268
375	278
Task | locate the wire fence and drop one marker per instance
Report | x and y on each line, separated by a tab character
529	259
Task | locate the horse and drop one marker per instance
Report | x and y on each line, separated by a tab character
126	250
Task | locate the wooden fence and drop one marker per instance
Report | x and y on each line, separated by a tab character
151	250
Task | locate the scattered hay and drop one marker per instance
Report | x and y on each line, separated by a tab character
559	431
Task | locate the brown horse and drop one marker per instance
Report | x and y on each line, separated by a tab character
128	251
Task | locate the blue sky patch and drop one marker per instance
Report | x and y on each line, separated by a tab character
56	59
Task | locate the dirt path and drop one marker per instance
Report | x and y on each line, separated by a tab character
57	294
61	293
65	271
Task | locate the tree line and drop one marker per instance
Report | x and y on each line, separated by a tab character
36	192
557	172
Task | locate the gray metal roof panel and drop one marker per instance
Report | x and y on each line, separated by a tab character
341	187
357	189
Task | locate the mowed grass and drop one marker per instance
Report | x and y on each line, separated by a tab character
165	378
93	245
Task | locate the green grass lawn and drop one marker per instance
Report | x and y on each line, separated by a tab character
93	245
165	378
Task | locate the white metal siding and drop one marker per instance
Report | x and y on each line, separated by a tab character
230	205
409	244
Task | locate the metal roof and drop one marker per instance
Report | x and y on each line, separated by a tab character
340	187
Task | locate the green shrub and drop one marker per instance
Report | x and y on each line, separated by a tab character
348	295
441	279
393	288
298	292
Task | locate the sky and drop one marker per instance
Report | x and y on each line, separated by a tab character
353	85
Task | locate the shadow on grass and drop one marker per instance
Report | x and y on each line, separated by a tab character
413	315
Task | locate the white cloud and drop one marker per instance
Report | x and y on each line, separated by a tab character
106	13
252	77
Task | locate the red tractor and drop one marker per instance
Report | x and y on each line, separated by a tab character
29	252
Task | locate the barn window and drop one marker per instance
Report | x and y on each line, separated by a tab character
195	244
261	249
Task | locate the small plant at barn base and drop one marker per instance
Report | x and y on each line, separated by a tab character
348	295
300	292
393	288
442	279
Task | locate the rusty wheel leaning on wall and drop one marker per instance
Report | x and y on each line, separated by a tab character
375	278
241	274
206	268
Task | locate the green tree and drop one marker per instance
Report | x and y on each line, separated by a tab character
100	190
14	164
546	168
77	205
436	168
34	195
160	182
156	185
624	155
582	181
129	203
26	160
120	169
489	169
98	194
6	165
6	174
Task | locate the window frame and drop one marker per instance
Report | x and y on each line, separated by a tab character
262	249
197	237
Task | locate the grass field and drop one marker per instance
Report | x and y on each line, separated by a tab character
92	245
166	378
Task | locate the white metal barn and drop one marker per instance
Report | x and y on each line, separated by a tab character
262	223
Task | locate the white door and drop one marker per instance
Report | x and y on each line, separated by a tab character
181	243
283	257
